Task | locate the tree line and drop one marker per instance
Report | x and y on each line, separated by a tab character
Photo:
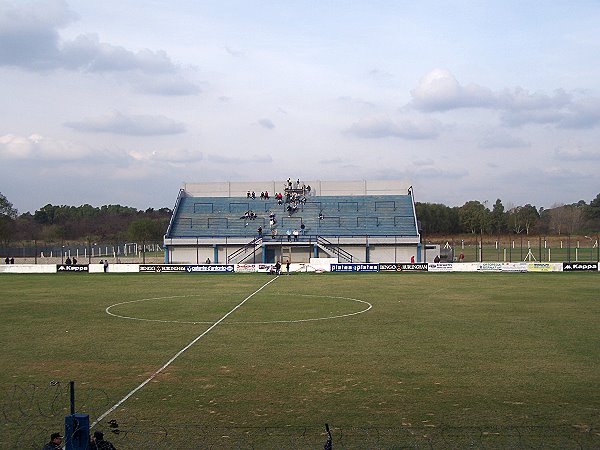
116	223
476	217
61	223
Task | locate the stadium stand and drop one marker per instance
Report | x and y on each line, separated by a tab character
217	220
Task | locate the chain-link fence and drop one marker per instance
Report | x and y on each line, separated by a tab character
31	413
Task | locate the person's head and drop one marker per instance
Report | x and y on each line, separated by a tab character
98	435
56	438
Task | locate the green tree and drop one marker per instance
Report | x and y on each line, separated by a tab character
145	230
6	208
498	219
8	214
474	217
436	218
523	218
592	211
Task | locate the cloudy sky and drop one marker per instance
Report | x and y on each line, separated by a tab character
107	102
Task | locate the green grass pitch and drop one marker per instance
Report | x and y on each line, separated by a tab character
388	360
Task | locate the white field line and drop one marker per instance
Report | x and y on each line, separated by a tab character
314	319
177	355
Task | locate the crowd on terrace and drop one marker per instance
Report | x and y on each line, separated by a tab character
294	194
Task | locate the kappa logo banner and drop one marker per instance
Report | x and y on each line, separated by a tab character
160	268
580	266
210	268
355	267
79	268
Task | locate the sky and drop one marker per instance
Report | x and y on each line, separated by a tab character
120	102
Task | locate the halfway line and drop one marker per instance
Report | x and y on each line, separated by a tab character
179	353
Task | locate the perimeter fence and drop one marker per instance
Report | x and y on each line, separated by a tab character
30	413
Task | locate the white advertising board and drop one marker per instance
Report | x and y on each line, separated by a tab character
28	268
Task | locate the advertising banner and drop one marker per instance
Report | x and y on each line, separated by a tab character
440	267
210	268
388	267
268	268
490	267
539	267
28	268
80	268
580	266
366	267
413	267
246	268
514	267
161	268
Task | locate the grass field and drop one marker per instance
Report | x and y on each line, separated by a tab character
438	361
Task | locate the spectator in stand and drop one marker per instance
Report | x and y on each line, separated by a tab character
296	235
302	228
461	257
7	260
105	265
248	194
266	195
321	217
436	259
289	234
412	259
68	261
12	260
74	261
259	231
262	195
253	195
55	442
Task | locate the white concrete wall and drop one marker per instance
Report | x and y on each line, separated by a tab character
387	253
318	187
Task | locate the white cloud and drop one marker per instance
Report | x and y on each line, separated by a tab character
405	128
29	39
133	125
576	154
501	139
440	91
40	147
253	159
266	123
167	156
167	85
86	52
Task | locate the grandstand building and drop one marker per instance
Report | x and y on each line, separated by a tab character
353	221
